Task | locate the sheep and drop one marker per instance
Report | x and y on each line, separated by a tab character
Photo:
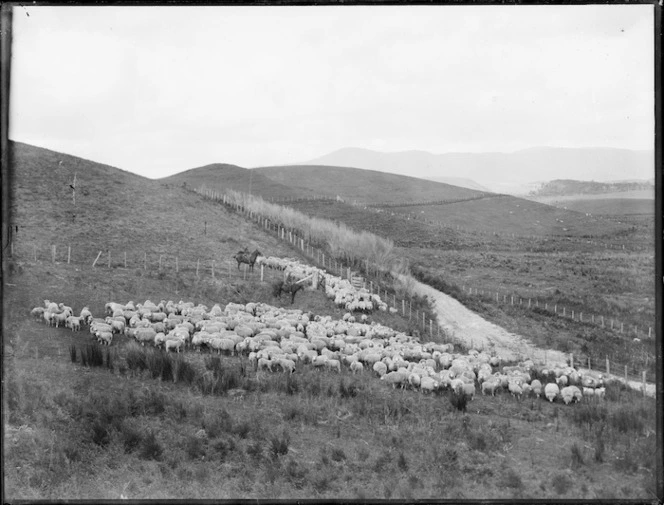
428	384
536	387
333	364
551	390
264	364
562	381
286	365
396	378
174	344
222	344
568	394
85	315
60	319
105	337
145	335
490	386
468	390
356	367
380	368
74	323
38	312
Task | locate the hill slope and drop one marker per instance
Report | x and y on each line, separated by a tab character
366	186
503	172
221	176
118	211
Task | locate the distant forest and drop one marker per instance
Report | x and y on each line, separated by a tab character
571	187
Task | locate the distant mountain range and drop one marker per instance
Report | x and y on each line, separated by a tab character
514	173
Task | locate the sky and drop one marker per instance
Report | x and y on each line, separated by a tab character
159	90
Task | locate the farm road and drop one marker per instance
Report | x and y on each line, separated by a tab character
473	330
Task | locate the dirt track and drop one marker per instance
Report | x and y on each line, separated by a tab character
472	330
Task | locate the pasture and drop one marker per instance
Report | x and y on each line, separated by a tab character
86	422
106	432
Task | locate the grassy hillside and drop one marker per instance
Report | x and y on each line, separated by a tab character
609	206
366	186
73	431
221	177
121	212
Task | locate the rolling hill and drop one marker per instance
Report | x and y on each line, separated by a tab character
118	211
512	173
221	176
468	209
366	186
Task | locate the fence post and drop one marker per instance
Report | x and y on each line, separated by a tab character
145	261
528	302
262	267
109	258
430	327
649	331
197	263
512	299
244	271
589	363
625	374
403	307
608	368
125	259
602	321
95	261
213	269
424	323
177	267
68	254
571	359
563	311
35	252
572	313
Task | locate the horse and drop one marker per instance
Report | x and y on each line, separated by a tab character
287	286
244	257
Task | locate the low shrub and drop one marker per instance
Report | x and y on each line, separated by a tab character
131	438
195	448
337	454
577	456
279	445
459	402
511	479
151	448
561	483
100	433
92	355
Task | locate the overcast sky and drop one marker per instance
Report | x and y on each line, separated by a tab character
158	90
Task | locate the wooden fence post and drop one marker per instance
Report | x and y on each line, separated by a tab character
589	363
608	367
262	267
109	258
95	261
625	374
68	254
34	248
125	259
649	331
213	269
571	359
145	261
403	308
177	267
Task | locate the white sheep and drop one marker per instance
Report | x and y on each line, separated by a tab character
551	391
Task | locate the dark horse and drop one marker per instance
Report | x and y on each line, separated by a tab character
291	287
287	286
244	257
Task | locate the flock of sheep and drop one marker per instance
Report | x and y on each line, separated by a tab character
277	339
